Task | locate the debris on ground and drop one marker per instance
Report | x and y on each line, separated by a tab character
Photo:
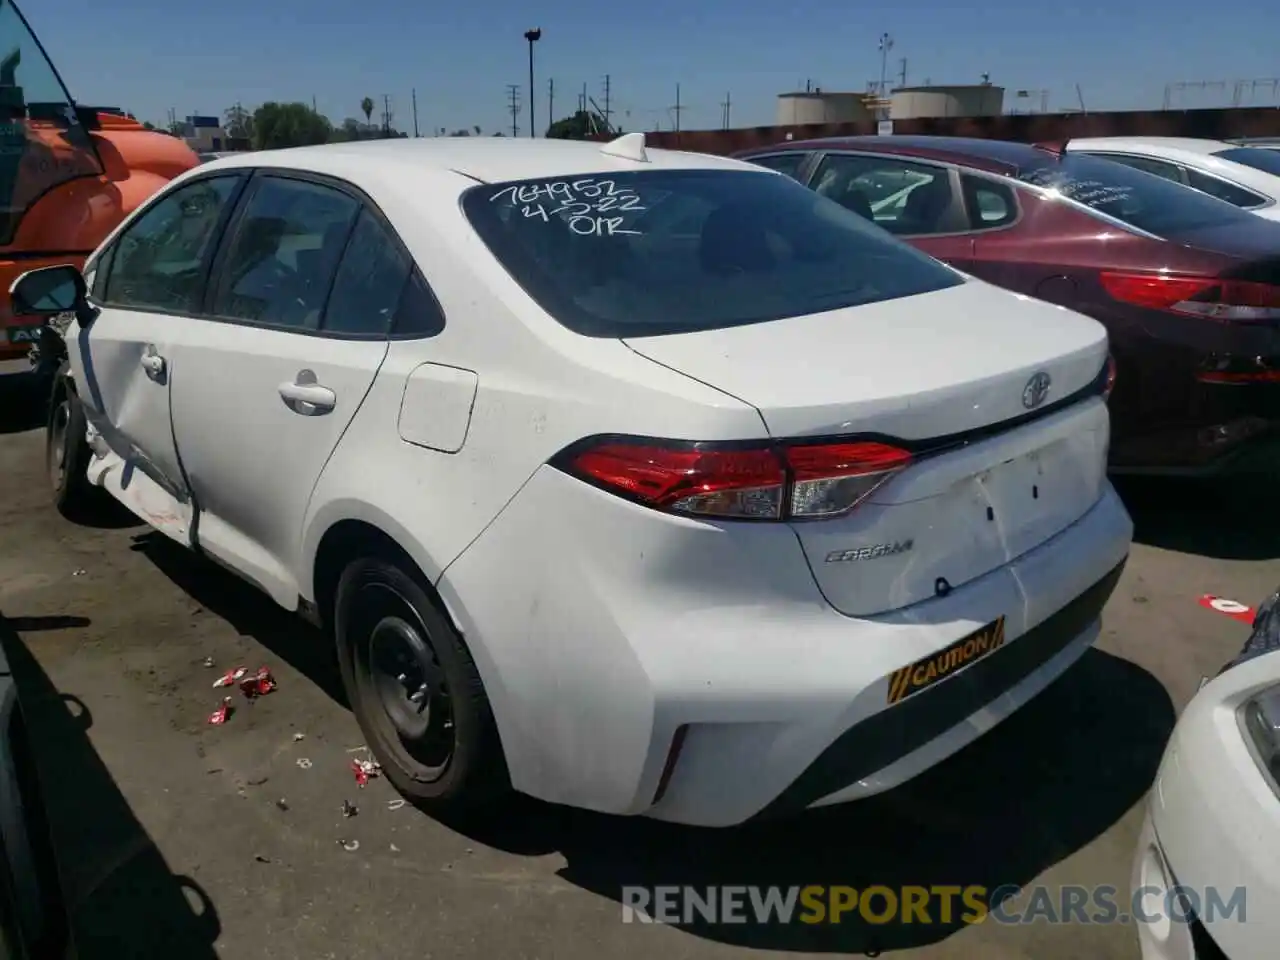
223	713
258	781
304	763
395	804
258	684
349	809
394	848
261	859
351	846
208	661
1232	608
299	737
365	770
282	803
79	573
230	677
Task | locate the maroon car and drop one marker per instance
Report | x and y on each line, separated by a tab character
1188	286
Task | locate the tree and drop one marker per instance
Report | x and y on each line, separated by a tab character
579	126
238	122
366	107
477	130
148	125
278	125
464	132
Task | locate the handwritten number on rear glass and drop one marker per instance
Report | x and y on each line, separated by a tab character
590	207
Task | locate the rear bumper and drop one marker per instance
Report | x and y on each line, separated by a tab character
603	647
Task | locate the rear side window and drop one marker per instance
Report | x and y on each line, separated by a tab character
1266	159
1161	168
989	204
1142	201
369	281
910	199
1216	187
642	254
788	163
282	259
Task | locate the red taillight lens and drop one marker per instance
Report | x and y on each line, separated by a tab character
1208	297
800	481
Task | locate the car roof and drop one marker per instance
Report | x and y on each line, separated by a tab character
1156	146
994	156
486	159
1196	154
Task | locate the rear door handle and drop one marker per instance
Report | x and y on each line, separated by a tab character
306	397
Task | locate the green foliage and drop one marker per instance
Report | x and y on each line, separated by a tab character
277	125
579	126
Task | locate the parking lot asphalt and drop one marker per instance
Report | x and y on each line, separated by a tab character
181	839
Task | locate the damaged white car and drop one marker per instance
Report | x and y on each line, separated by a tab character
640	481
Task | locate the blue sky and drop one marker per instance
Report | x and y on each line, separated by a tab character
149	55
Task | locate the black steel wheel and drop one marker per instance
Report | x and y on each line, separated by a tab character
414	688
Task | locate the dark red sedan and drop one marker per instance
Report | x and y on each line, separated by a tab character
1188	286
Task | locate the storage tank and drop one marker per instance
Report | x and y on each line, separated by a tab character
964	100
819	106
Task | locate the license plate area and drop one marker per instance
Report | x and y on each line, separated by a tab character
947	662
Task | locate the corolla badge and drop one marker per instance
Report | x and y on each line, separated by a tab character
1037	388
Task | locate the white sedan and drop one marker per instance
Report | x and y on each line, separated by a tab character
1212	833
1244	176
636	480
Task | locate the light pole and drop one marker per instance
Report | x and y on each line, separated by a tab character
886	44
533	36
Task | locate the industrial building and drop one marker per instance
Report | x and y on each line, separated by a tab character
954	100
904	103
820	106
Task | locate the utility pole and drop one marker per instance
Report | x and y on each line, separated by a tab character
902	72
386	114
886	44
414	95
313	104
607	125
551	102
677	109
725	106
513	105
582	103
533	36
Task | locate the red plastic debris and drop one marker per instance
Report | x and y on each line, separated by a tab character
1232	608
365	770
258	684
223	713
230	677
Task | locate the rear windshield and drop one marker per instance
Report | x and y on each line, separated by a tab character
1260	158
1141	200
670	251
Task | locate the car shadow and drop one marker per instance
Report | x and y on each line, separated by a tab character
1224	519
1034	790
251	612
124	900
22	406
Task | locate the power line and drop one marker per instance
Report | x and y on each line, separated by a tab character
513	105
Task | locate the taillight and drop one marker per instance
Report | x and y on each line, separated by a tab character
1208	297
787	481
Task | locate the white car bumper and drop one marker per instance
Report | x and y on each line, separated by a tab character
641	663
1213	828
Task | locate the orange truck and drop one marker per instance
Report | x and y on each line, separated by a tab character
68	175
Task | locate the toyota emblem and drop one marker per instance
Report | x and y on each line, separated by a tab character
1037	388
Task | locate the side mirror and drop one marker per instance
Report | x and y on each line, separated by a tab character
48	291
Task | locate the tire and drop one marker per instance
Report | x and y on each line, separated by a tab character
441	751
67	455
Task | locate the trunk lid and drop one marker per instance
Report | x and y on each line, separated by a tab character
919	369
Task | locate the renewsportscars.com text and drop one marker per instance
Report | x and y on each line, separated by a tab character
938	904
